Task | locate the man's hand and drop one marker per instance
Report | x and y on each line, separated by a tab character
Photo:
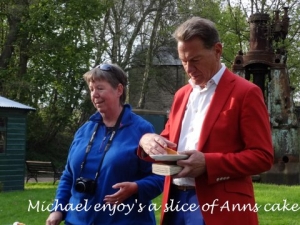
154	144
193	166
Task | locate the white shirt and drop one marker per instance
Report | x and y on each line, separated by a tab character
195	112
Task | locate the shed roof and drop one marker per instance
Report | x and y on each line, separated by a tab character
7	103
163	56
166	56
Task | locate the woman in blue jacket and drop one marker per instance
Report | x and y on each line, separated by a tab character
104	181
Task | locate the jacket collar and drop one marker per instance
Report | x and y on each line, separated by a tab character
219	99
126	118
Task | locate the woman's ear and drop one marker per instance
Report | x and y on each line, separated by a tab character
120	89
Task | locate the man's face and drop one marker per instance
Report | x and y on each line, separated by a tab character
200	63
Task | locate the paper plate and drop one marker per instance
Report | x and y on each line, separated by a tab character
168	157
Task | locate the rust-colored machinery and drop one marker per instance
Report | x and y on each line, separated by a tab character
265	65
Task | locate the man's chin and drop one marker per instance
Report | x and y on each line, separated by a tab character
196	81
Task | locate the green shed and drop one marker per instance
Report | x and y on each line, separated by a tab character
12	144
157	118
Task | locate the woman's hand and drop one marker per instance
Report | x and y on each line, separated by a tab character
54	218
126	189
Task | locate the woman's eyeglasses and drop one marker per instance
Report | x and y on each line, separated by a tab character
105	67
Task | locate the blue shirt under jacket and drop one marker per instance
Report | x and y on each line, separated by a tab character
120	164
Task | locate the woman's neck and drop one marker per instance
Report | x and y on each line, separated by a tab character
111	119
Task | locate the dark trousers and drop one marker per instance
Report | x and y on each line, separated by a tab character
183	208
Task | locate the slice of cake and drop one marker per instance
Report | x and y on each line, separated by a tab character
165	170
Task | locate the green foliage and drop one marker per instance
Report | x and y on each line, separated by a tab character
209	9
234	31
52	42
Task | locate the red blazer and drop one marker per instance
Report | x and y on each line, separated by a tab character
236	141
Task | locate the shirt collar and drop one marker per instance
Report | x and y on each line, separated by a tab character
216	78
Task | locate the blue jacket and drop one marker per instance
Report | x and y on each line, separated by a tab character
120	164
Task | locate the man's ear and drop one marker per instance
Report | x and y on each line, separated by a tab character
218	49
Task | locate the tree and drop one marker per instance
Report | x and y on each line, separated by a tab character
44	56
150	51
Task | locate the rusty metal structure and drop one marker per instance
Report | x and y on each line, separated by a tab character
265	65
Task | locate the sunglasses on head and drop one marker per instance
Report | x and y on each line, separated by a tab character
105	67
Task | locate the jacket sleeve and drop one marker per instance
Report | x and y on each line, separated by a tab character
63	192
150	185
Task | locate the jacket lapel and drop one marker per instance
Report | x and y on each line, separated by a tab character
182	103
220	97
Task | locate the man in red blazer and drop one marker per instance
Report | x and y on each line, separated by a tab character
221	122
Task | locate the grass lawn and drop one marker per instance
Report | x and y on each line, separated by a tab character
275	204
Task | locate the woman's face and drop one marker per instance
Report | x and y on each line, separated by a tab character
104	97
